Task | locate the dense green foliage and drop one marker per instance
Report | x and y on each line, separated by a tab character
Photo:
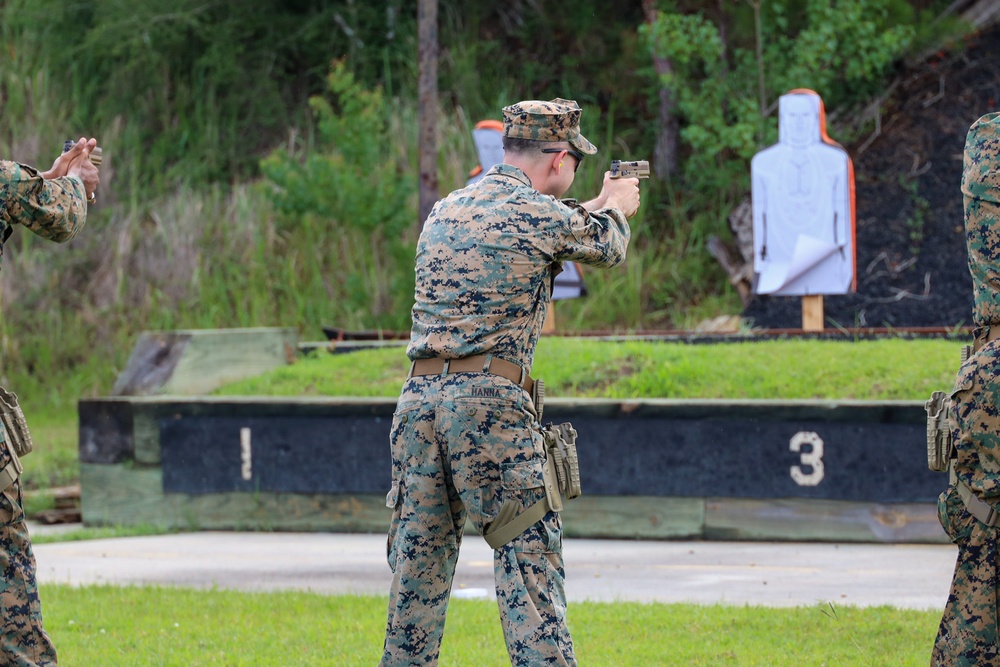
195	90
136	626
249	181
355	191
726	92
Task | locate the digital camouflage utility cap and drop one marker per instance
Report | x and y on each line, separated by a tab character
556	120
981	192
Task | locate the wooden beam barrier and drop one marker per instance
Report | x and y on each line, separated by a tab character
654	469
198	361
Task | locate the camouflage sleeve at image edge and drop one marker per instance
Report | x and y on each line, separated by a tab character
976	423
54	209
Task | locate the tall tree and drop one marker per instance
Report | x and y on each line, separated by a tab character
668	129
427	27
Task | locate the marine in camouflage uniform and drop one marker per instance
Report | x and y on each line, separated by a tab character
968	634
52	205
466	437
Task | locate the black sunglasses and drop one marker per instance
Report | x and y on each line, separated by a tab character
577	154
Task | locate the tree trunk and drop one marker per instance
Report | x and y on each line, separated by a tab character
979	13
668	136
427	63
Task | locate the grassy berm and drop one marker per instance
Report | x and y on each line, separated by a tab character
886	369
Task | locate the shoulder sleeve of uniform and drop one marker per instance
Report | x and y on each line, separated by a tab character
598	238
975	415
566	231
6	171
975	397
55	209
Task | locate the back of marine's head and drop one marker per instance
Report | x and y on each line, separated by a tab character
552	121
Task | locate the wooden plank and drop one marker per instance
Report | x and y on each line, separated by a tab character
199	361
149	367
105	431
122	495
634	517
979	13
807	519
765	410
132	495
847	410
549	326
215	357
146	433
812	312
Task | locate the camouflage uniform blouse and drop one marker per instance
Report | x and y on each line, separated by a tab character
976	395
485	261
976	423
55	209
969	633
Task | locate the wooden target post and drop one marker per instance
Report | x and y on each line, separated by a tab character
550	320
812	312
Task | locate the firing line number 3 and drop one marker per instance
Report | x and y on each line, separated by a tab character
812	456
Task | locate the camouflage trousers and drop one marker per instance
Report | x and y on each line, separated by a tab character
23	642
968	634
461	445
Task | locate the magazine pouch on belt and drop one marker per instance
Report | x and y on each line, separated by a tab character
561	476
18	436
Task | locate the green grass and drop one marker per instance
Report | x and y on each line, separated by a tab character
886	369
97	533
105	625
53	460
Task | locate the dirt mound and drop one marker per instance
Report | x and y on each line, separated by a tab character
912	261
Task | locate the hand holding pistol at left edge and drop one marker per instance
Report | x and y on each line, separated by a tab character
79	160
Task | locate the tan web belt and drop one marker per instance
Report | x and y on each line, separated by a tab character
977	508
480	363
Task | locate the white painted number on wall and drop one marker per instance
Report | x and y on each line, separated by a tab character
246	461
812	457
